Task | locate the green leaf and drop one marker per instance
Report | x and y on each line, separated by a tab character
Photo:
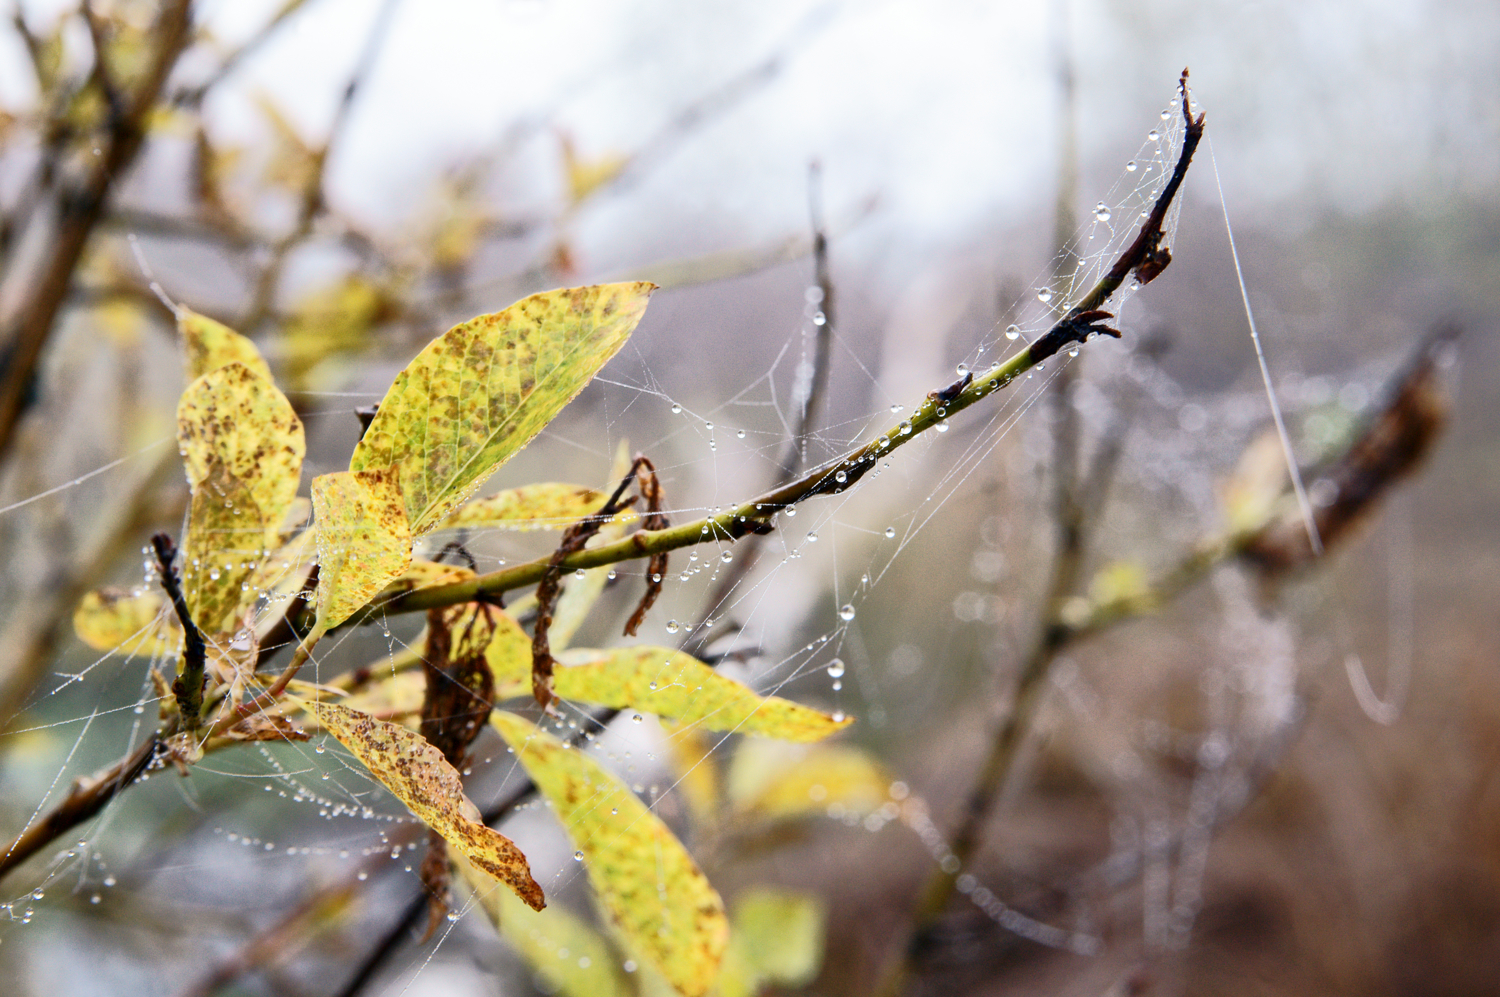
419	776
482	390
652	888
543	506
561	947
208	345
363	540
243	447
672	684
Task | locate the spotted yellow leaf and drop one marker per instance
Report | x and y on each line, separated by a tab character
422	573
543	506
420	777
129	622
656	894
673	684
562	948
208	345
243	447
363	540
775	780
482	390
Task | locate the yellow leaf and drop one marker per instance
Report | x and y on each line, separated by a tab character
570	956
422	574
509	657
696	767
243	447
482	390
1250	497
332	320
772	779
652	888
363	540
547	506
401	694
208	345
672	684
132	623
777	938
282	574
420	777
587	175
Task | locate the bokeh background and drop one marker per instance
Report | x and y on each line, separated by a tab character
491	149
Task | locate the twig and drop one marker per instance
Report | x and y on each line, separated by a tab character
87	797
313	201
190	676
1146	258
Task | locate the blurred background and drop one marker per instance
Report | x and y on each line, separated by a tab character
1272	782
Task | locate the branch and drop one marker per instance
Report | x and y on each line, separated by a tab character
80	210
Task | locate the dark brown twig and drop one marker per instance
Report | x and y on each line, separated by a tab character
190	676
573	540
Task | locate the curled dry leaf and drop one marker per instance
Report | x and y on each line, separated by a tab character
243	446
481	391
652	888
127	621
420	777
266	727
363	540
542	506
208	345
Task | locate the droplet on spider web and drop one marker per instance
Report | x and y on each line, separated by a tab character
1044	295
1131	166
890	533
1154	135
676	409
740	434
836	668
847	612
726	557
1101	211
673	626
1012	331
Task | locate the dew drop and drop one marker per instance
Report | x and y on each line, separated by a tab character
1073	352
1154	135
1044	295
708	426
812	536
962	369
673	626
580	573
841	477
890	533
96	898
1101	211
676	409
740	434
896	409
846	613
836	668
820	319
612	574
726	557
1012	331
942	427
635	719
790	510
1131	167
905	427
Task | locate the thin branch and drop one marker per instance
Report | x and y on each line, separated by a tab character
87	797
190	675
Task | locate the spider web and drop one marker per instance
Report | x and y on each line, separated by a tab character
892	602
